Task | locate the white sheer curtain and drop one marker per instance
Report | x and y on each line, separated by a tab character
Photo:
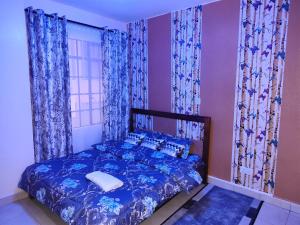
86	85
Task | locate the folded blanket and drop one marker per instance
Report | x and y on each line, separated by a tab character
104	180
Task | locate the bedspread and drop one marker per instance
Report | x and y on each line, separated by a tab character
150	179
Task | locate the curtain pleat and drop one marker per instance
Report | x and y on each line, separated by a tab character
138	69
115	84
50	85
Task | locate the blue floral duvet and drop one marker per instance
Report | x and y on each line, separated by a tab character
150	178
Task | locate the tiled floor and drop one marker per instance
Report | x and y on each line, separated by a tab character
274	215
29	212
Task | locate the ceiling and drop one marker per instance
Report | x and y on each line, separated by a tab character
130	10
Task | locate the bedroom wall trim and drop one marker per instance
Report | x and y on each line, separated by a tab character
13	198
269	198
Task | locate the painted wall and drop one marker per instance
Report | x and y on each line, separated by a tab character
219	60
16	146
288	169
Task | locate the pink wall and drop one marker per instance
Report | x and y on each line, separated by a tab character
159	43
219	60
288	170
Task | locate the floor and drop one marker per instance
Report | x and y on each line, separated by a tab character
274	215
28	212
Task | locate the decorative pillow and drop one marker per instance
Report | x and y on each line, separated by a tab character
173	149
148	133
153	143
134	138
180	141
169	138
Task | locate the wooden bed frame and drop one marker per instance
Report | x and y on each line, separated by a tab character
195	118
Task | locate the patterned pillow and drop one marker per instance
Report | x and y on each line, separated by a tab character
134	138
185	142
173	149
169	138
153	143
148	133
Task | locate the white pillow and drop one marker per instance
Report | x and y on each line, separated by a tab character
105	181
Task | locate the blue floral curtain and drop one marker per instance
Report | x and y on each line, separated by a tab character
263	30
138	69
186	58
115	84
50	85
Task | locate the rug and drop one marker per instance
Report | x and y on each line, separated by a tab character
217	207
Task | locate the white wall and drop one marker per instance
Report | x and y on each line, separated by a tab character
16	145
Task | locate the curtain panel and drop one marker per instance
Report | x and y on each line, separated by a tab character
138	69
263	30
116	105
50	85
186	26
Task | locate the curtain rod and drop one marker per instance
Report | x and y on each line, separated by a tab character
76	22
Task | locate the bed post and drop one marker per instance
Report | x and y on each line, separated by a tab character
205	152
131	120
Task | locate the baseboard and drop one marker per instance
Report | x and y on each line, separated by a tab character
254	194
12	198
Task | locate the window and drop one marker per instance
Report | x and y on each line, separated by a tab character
85	77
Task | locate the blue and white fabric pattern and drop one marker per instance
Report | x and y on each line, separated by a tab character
134	138
173	149
138	69
50	85
186	43
149	179
152	143
115	84
186	142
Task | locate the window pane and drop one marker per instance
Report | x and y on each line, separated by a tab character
96	101
73	67
95	85
74	103
95	69
74	85
85	118
83	70
75	119
84	102
82	49
96	116
84	85
95	51
72	47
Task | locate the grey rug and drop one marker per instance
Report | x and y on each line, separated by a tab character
217	207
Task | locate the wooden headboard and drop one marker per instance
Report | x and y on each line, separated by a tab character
200	119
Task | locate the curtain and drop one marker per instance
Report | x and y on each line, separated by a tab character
50	85
138	69
185	65
263	29
115	84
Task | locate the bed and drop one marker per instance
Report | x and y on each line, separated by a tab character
150	178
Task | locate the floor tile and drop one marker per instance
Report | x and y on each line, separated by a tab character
272	215
294	219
